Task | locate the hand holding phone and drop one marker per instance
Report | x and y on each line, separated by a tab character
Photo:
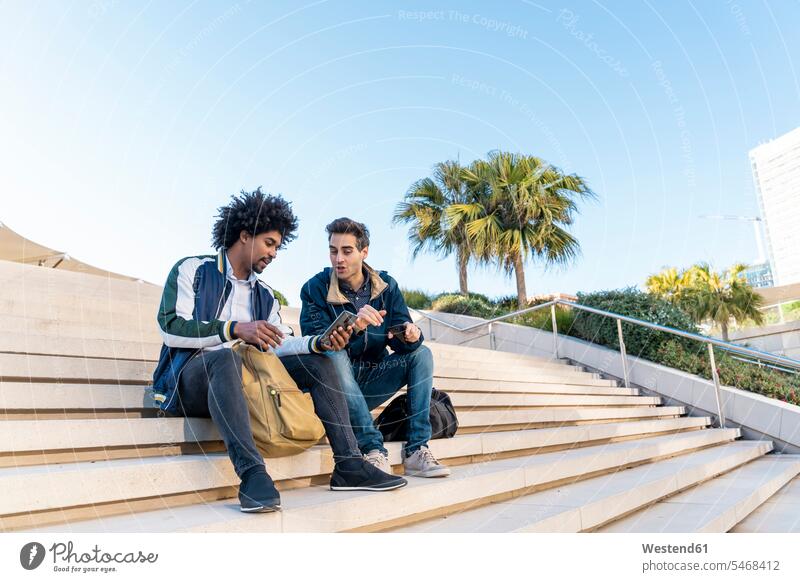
398	331
343	321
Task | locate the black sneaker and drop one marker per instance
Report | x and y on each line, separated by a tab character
257	493
359	475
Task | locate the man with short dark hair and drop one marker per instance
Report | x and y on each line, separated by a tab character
210	301
366	371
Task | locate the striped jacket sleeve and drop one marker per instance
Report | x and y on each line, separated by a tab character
291	345
175	321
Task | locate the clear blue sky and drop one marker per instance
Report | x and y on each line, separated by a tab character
124	125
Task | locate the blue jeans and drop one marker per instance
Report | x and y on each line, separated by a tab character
211	386
367	385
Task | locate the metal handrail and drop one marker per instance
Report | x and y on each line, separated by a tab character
709	341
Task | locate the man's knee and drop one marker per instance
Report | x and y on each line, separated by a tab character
423	351
326	371
338	358
422	355
338	363
224	362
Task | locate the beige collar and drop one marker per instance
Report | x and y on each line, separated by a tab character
335	296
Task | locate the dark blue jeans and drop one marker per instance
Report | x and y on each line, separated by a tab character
211	386
367	385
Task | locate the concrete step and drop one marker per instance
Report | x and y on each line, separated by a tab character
86	311
779	514
463	399
532	386
54	396
72	333
133	346
81	348
486	393
72	336
64	338
478	354
29	278
78	396
492	360
38	355
314	508
33	439
474	419
585	505
552	376
77	368
45	293
714	506
31	299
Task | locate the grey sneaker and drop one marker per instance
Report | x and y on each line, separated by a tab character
422	463
380	460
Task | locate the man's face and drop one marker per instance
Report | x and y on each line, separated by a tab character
346	259
262	249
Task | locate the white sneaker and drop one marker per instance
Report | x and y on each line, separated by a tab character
422	463
380	460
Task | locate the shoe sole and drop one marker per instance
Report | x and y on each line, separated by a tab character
434	474
261	509
368	488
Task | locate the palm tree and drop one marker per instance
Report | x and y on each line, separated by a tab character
524	211
669	284
425	209
720	297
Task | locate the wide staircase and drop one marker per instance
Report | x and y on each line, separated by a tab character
542	445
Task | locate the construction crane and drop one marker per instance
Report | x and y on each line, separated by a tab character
756	229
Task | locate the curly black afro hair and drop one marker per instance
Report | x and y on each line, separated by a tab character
254	212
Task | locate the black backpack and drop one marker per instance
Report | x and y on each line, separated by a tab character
393	421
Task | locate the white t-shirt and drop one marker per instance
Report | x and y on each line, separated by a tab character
239	306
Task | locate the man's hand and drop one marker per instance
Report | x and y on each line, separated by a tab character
411	335
258	333
338	340
367	316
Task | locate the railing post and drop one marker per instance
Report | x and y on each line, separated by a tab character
555	331
623	353
715	375
491	337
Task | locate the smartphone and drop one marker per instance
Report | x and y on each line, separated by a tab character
399	331
344	319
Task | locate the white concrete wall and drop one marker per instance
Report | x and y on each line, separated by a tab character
758	416
782	339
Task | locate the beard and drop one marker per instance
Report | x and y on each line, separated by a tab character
260	265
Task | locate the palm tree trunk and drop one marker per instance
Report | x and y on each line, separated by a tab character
724	326
463	261
519	272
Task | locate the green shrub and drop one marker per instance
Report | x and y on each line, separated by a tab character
478	296
507	303
639	341
542	319
481	297
674	354
456	303
280	297
416	298
732	372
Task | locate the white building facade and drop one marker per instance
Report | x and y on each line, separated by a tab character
776	173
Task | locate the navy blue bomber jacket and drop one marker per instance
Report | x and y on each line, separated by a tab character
323	301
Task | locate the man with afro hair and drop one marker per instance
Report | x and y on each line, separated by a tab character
209	302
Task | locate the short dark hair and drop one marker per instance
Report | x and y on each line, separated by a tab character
349	226
254	212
